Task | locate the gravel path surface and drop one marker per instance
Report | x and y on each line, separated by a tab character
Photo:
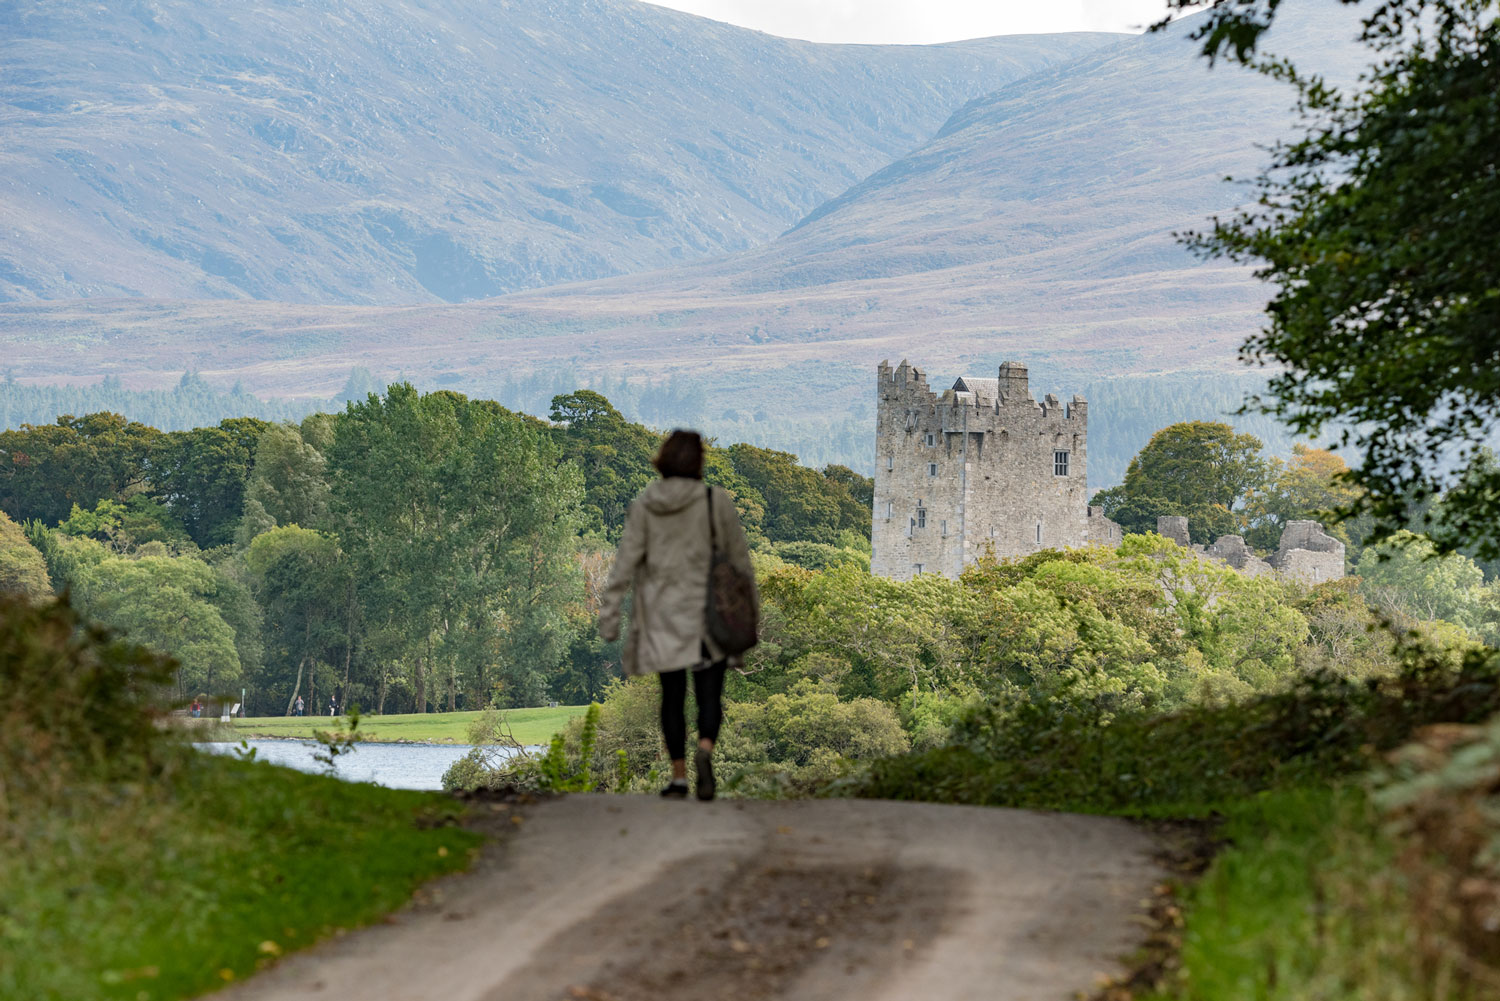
621	898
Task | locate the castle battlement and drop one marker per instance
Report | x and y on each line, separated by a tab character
981	466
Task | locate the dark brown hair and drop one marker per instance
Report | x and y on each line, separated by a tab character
681	454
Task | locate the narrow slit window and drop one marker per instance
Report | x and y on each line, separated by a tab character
931	440
945	527
890	509
890	462
1060	463
932	469
1039	533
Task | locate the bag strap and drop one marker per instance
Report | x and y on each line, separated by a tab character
713	539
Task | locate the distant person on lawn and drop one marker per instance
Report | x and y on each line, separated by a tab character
664	556
299	705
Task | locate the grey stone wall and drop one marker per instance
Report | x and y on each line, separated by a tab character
980	467
1308	554
1231	549
1100	531
1174	527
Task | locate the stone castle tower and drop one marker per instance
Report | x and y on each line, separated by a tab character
981	466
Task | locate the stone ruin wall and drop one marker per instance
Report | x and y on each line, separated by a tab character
1306	553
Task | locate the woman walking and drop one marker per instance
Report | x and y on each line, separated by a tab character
671	533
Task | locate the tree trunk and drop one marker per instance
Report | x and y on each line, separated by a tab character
452	672
297	687
421	706
380	689
348	644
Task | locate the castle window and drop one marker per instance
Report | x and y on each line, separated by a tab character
931	440
932	469
1038	533
921	517
1059	463
917	567
890	462
890	509
945	527
911	524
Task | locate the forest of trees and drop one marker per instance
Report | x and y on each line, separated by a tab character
412	552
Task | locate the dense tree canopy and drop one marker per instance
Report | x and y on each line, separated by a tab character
288	485
1314	483
1405	577
1377	230
167	604
800	503
22	569
46	469
459	518
613	454
200	476
1200	469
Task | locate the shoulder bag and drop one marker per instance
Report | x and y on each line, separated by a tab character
731	612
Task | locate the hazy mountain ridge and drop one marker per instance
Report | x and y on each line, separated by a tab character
361	151
1037	226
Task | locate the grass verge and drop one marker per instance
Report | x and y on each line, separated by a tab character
1306	902
167	890
529	726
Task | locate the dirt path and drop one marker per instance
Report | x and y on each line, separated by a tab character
615	898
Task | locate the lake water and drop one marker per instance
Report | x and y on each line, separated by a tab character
395	766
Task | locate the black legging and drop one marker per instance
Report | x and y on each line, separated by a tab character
708	689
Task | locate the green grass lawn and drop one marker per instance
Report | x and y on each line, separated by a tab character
167	891
530	726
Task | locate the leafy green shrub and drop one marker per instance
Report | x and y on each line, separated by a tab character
74	701
22	569
819	555
1069	753
584	768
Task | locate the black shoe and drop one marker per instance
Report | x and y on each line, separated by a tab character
674	790
704	763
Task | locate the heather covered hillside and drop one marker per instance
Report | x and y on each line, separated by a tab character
364	151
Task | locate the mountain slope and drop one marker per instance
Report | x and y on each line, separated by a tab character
370	151
1037	226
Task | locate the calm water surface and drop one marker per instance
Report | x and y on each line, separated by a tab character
396	766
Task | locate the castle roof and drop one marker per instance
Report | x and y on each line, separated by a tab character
985	390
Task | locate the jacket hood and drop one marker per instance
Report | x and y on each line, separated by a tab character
671	494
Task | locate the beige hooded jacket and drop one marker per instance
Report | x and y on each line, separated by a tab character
664	555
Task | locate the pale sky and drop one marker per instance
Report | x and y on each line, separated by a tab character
913	22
